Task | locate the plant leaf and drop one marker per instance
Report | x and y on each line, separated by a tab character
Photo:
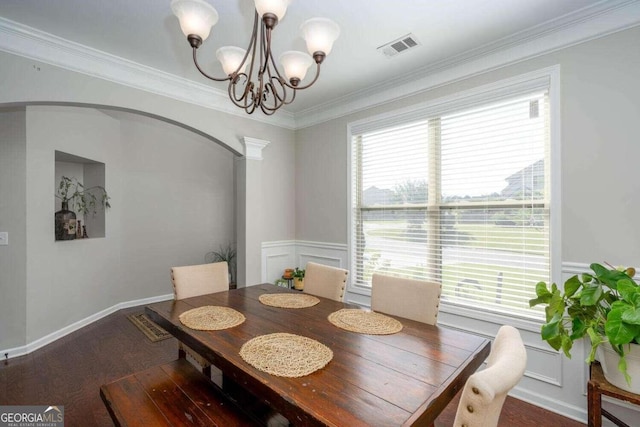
566	344
626	288
540	300
618	331
608	277
596	340
631	316
622	367
579	328
551	329
544	296
591	294
571	286
555	307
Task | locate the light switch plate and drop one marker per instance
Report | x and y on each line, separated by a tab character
4	238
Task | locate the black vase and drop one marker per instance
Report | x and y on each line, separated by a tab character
65	223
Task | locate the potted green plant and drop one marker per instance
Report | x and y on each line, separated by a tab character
73	193
225	253
603	305
298	279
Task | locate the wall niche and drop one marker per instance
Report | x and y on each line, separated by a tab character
89	173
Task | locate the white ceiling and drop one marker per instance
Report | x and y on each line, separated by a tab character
450	32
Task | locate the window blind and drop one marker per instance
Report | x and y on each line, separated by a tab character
461	198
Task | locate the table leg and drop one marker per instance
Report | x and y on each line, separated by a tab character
259	409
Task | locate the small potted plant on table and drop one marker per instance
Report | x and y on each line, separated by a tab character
605	306
298	279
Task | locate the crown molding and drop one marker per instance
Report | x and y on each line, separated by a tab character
32	43
602	19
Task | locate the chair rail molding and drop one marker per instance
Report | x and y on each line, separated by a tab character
278	255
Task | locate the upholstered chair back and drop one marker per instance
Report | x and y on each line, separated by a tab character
193	280
485	391
325	281
417	300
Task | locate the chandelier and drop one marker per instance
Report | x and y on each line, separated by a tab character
254	78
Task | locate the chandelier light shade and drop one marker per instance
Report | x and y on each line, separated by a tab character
231	58
196	17
253	76
276	7
295	64
319	33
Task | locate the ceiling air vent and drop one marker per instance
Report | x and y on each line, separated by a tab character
403	44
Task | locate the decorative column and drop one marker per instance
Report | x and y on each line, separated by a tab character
249	212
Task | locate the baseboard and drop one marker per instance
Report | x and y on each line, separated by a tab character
553	405
48	339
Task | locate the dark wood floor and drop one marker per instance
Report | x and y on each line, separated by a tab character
71	370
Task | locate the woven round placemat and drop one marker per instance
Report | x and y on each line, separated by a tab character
211	318
364	322
286	355
289	300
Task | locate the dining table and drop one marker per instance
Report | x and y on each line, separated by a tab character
405	378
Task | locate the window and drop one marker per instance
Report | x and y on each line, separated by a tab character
461	197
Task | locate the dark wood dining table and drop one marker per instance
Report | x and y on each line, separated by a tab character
403	379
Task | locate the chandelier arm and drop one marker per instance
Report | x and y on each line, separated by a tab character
195	61
249	108
252	41
252	46
246	100
293	98
263	66
270	110
275	67
283	84
282	99
278	101
265	52
251	100
233	86
310	84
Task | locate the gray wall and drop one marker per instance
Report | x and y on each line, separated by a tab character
600	124
13	264
600	196
172	201
163	178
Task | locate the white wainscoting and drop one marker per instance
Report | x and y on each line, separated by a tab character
276	256
551	380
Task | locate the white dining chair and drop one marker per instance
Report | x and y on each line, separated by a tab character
485	391
417	300
194	280
325	281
